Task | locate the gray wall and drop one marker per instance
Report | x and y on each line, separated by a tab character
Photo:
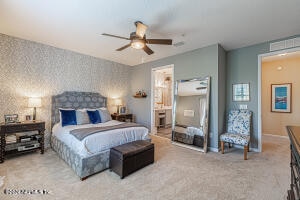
32	69
188	103
198	63
221	89
242	67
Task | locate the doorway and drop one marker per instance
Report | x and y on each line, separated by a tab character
265	116
162	86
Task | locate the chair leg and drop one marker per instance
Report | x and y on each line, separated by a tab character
248	147
245	152
222	146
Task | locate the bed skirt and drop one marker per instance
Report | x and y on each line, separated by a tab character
83	166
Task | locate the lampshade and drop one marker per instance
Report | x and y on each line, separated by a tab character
118	102
34	102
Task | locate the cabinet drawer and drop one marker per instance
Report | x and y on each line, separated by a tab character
23	127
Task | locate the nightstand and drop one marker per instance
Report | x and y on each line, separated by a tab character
26	144
122	117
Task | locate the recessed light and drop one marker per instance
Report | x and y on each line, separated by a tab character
279	68
282	54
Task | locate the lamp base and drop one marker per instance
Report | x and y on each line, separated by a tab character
34	114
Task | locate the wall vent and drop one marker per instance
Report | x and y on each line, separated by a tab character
285	44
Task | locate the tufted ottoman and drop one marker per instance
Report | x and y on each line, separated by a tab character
129	157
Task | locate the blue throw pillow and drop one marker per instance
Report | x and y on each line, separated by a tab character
94	116
68	117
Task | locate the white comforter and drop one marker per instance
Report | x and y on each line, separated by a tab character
99	141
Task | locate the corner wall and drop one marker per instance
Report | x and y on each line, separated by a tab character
242	67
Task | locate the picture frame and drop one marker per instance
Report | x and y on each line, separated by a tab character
123	110
281	95
241	92
11	118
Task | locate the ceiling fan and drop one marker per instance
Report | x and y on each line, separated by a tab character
138	39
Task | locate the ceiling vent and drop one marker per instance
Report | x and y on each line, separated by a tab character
285	44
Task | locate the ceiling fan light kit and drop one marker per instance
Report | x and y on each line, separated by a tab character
137	44
138	39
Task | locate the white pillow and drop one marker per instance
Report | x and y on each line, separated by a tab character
82	117
104	115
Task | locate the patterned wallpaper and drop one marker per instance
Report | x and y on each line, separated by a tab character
30	69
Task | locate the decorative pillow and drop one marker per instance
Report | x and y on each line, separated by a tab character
104	115
82	117
68	117
94	116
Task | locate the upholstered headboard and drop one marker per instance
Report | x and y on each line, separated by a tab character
76	100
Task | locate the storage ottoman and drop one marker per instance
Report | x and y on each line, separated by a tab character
184	138
129	157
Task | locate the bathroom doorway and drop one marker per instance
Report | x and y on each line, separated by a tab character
162	101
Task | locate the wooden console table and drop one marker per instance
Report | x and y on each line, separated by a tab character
9	129
122	117
294	135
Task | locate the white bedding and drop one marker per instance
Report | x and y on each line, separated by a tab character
100	141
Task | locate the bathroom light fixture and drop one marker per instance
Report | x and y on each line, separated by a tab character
34	102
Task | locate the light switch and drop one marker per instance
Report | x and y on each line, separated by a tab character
243	106
188	113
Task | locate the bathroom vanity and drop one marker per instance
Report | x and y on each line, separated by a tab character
163	117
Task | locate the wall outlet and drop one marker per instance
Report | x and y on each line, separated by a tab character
243	106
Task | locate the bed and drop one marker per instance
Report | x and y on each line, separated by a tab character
91	154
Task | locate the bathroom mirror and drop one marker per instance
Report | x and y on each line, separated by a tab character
191	113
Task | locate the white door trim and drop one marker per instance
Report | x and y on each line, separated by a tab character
152	91
260	57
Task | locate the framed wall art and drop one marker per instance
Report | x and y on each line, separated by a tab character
241	92
11	118
281	95
123	110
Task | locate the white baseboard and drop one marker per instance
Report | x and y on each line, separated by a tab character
279	136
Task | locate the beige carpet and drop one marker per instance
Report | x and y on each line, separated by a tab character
178	173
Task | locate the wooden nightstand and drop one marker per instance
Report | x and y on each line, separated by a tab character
32	143
122	117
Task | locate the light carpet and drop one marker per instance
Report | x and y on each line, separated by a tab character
178	173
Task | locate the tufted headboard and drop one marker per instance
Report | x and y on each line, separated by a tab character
76	100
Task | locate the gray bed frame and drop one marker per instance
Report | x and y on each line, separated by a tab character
83	166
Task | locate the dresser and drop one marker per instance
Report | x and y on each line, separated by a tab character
28	143
294	135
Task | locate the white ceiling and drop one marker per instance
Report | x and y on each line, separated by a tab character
77	25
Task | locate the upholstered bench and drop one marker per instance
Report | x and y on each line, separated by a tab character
129	157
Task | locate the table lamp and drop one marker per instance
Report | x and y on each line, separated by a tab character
118	103
34	102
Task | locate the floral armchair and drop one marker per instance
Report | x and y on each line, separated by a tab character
238	130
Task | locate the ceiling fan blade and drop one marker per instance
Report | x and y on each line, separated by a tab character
140	29
115	36
124	47
159	41
148	50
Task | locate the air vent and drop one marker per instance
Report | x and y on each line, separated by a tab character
285	44
178	44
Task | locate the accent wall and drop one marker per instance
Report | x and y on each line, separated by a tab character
30	69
